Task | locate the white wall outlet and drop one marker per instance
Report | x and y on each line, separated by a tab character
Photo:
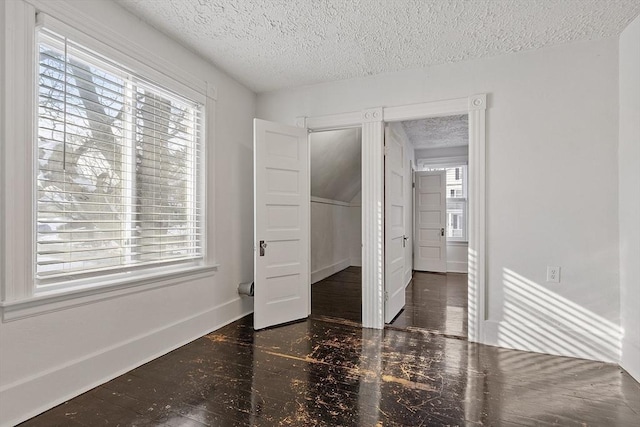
553	274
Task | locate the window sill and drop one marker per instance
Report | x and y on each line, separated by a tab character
50	301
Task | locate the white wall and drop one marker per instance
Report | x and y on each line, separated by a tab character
629	196
48	358
336	163
336	231
552	130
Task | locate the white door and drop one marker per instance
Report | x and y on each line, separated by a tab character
430	246
408	222
394	231
281	223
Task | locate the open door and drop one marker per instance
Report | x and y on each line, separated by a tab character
281	223
430	219
408	223
394	225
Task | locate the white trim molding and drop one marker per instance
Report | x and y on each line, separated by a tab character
56	301
373	222
476	232
17	166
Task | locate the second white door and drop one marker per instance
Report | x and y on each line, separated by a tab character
430	242
394	225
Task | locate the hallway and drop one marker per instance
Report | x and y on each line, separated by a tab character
434	302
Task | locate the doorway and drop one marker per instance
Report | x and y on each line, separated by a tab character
336	223
281	211
436	297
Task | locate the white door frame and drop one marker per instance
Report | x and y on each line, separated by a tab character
372	122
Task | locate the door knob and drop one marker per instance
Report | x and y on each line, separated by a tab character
263	246
442	231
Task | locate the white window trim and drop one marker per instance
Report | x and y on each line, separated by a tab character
47	302
18	297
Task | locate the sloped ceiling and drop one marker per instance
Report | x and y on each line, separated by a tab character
336	164
272	44
438	132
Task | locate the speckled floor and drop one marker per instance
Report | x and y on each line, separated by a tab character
339	295
434	302
437	303
326	373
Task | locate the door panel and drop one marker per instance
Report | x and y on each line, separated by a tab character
281	222
430	244
408	223
394	225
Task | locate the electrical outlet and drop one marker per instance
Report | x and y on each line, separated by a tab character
553	274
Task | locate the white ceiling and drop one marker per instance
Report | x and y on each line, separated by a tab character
272	44
336	166
437	132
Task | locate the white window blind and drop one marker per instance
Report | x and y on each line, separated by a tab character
117	166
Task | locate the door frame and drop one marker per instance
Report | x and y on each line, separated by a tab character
372	121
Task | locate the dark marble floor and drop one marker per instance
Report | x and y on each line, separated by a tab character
339	295
437	303
324	373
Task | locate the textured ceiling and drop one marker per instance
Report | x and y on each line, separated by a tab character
336	171
436	132
272	44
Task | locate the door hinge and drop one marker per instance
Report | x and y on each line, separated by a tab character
413	185
386	296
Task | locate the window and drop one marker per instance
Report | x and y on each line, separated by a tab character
456	201
118	166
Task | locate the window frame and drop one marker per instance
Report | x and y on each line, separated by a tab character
63	279
19	295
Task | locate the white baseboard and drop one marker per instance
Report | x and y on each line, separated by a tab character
457	267
592	344
31	396
356	262
630	359
323	273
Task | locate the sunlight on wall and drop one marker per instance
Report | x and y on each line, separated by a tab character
537	319
472	312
